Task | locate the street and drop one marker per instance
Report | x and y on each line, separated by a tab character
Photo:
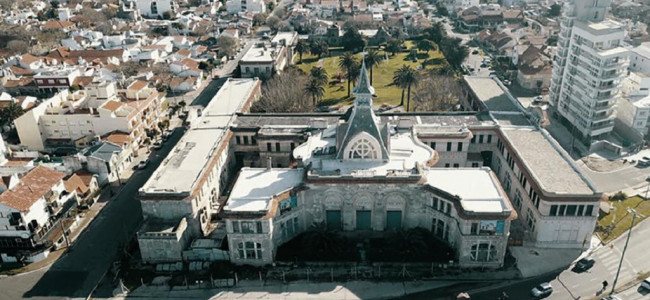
77	273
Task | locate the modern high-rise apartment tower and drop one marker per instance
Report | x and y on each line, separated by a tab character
589	65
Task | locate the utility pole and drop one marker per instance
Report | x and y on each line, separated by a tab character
629	233
65	236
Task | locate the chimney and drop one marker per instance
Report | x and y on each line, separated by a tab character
269	163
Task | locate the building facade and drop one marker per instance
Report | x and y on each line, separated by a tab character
589	66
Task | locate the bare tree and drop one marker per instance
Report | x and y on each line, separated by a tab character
17	46
284	93
437	93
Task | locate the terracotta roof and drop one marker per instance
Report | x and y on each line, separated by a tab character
111	105
64	53
118	138
24	81
183	52
74	183
83	81
57	24
28	58
86	177
34	185
20	71
138	85
18	162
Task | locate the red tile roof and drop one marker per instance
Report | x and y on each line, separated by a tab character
33	186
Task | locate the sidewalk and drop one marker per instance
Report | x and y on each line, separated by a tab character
299	290
75	232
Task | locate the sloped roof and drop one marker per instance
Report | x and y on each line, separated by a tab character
34	185
74	183
103	150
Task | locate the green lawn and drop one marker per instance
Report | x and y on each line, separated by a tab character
385	92
622	219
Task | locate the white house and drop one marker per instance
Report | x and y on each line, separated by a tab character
240	6
28	211
155	8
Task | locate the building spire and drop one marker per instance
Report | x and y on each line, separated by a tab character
363	86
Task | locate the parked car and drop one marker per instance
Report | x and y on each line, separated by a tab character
645	284
475	52
543	290
584	264
643	162
157	145
612	297
143	164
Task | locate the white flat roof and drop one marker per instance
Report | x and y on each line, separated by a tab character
255	187
181	169
288	36
261	54
405	152
476	187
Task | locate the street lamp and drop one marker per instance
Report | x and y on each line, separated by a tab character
629	233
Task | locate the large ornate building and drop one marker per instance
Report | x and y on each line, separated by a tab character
480	181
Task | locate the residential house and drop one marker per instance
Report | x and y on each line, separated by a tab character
30	215
65	26
184	84
265	59
84	184
156	9
534	70
186	68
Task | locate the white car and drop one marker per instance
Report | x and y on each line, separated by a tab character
143	164
645	284
542	290
612	297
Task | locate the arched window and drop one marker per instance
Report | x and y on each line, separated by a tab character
483	252
363	146
249	250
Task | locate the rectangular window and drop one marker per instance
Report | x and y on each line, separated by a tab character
268	147
259	227
245	140
460	147
473	139
489	139
253	140
434	204
562	210
480	139
474	165
474	229
571	210
277	147
446	165
589	210
238	140
553	212
448	146
293	146
433	145
249	227
235	227
456	165
581	209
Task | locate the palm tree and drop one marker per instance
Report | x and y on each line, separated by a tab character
10	113
372	59
319	74
355	71
346	62
404	78
301	47
321	242
318	48
410	244
315	89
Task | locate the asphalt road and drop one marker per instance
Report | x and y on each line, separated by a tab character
77	273
571	285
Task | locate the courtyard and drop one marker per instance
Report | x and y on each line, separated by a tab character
386	92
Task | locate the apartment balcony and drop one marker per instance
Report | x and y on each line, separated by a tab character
601	128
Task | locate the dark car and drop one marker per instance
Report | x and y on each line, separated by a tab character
584	264
475	52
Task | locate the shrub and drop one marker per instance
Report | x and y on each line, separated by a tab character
618	196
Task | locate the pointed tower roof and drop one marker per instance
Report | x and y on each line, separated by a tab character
363	86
